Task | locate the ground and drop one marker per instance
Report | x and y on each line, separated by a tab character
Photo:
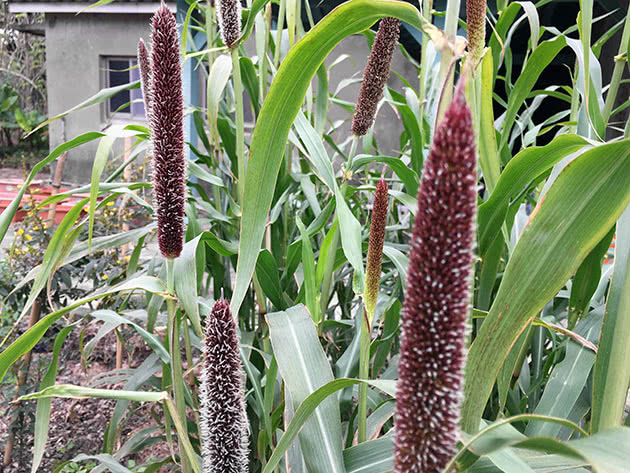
76	426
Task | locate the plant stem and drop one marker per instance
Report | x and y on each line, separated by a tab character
240	123
617	71
446	55
279	26
364	373
176	360
330	263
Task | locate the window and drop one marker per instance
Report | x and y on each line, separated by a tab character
126	104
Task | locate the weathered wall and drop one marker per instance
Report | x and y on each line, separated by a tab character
74	47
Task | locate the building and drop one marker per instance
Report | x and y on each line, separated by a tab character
90	51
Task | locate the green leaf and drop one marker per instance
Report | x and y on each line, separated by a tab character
115	319
217	80
101	96
269	279
407	175
612	369
80	392
310	405
185	274
282	105
374	456
54	252
29	339
587	279
100	160
305	368
308	268
568	379
537	62
42	413
489	159
561	231
520	171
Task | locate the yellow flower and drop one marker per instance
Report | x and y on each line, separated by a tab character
20	231
17	251
105	276
28	237
109	204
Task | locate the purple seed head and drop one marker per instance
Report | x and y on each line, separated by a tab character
224	427
435	311
144	62
167	126
476	18
229	17
375	75
375	247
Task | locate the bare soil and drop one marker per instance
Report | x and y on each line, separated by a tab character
77	426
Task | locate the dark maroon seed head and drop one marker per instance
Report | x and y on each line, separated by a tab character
476	18
167	126
229	17
144	62
375	247
375	75
435	311
224	427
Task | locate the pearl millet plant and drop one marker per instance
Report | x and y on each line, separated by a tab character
436	307
223	417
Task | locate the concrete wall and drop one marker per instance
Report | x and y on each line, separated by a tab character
75	45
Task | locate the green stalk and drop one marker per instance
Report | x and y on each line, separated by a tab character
617	71
279	26
427	6
240	123
446	76
364	373
330	263
176	360
611	374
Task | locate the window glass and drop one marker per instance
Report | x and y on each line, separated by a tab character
126	103
118	74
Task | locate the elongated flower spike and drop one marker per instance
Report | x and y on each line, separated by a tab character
144	62
167	127
435	311
229	18
375	75
222	404
476	19
375	247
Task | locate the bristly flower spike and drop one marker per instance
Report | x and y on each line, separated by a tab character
167	128
435	311
222	403
375	75
144	63
375	246
229	18
476	19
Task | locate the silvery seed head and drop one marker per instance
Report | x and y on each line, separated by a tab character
167	127
375	247
476	18
144	62
224	425
229	17
375	75
435	311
